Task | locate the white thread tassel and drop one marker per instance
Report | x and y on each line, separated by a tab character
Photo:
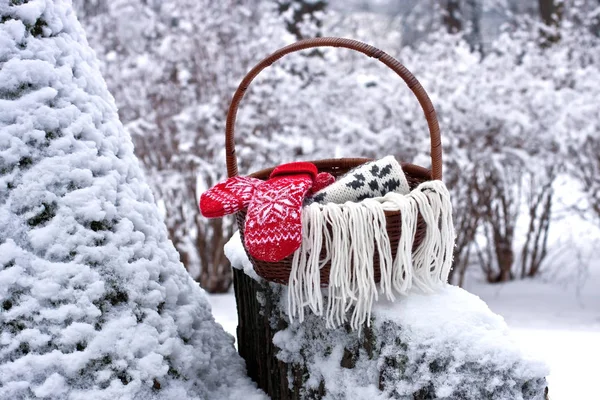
350	235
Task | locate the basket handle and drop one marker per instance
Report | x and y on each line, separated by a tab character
392	63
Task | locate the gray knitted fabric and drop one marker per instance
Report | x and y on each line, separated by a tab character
373	179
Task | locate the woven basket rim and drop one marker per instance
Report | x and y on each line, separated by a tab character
279	272
347	162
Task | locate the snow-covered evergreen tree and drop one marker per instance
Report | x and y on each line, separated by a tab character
94	303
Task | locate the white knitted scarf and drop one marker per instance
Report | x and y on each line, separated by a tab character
357	231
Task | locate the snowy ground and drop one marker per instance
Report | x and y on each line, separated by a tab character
558	323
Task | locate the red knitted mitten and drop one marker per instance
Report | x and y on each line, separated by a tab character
322	180
273	228
228	197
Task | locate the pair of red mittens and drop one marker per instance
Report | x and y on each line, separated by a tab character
273	227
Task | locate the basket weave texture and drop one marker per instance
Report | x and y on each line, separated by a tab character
279	272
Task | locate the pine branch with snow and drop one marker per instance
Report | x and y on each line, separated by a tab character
94	301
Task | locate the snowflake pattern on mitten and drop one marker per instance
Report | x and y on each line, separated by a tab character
228	197
273	228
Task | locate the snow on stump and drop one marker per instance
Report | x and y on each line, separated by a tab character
447	345
94	303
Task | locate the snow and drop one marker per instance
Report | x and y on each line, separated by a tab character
448	342
475	356
458	325
54	385
539	304
235	253
556	320
570	352
557	315
94	301
573	358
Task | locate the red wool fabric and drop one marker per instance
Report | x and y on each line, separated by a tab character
228	197
322	180
273	227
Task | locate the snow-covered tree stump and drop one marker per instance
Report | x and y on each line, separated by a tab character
447	345
94	303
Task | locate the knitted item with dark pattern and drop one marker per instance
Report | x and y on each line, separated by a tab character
372	179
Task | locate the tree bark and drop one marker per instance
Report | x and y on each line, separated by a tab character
255	337
452	16
260	319
551	12
215	275
303	12
473	36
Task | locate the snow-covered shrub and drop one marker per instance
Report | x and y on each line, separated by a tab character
506	113
94	303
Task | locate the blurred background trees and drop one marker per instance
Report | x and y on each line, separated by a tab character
515	84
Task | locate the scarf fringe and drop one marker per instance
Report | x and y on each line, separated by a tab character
348	244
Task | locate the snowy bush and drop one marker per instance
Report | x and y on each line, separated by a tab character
513	119
514	114
94	301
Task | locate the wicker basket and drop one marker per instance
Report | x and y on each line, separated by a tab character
279	271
